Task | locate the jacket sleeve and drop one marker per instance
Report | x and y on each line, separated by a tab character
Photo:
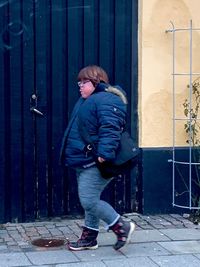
111	112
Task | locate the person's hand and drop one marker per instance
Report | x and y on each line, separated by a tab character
101	160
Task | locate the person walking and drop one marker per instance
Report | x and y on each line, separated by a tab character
103	110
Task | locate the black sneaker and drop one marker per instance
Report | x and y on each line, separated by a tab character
123	231
86	241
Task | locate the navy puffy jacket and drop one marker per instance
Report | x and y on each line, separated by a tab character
104	114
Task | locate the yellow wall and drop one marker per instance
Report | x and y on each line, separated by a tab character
155	67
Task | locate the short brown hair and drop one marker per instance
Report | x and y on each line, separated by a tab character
93	73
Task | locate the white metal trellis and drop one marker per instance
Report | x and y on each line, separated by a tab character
191	74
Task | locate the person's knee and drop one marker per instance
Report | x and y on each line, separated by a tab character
88	204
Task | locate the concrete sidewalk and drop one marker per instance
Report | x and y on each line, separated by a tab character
167	240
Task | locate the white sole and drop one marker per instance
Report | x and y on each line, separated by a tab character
132	229
83	248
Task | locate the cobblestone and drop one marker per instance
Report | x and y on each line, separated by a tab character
18	237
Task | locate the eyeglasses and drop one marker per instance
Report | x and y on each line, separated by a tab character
81	83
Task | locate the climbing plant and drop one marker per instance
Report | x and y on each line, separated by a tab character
191	108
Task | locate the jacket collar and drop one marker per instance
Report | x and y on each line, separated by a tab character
101	87
117	90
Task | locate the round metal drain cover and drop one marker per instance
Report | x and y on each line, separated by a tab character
42	242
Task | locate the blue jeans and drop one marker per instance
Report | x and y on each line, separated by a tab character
90	186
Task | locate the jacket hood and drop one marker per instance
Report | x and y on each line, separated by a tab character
117	90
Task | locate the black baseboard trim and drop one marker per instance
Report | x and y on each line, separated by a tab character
156	180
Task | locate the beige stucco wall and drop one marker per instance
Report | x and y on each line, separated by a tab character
155	67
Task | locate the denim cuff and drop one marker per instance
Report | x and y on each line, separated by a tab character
92	228
114	222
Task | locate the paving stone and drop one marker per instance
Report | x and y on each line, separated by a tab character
12	243
148	236
25	238
32	234
172	218
182	234
22	243
61	224
3	232
106	239
69	222
101	253
2	226
83	264
3	247
65	230
26	225
131	262
136	219
71	237
42	222
181	247
51	257
177	216
103	229
175	222
144	249
49	226
166	223
14	259
132	216
42	230
31	229
8	239
158	226
79	221
192	225
14	249
29	249
55	232
75	227
146	226
18	236
176	260
172	226
15	236
11	228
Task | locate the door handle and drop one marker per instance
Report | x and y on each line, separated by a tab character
33	105
35	110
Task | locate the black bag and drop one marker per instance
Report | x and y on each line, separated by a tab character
126	150
125	155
